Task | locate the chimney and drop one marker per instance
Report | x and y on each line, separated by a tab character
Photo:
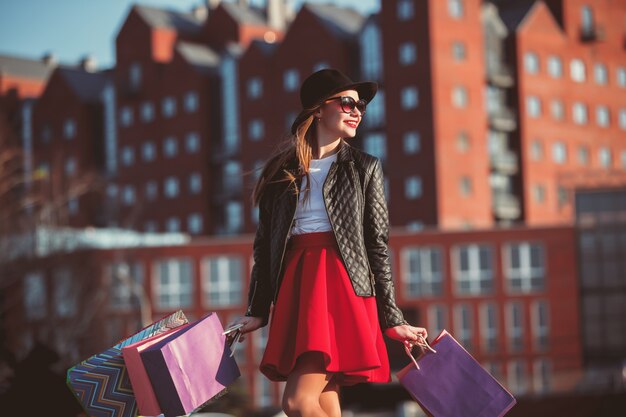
200	12
276	18
88	63
49	59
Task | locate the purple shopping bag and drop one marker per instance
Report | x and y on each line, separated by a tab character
450	383
190	367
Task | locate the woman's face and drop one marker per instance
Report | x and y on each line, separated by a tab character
334	121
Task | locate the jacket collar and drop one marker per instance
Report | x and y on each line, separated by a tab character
345	152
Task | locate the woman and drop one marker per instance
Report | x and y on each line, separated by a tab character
321	255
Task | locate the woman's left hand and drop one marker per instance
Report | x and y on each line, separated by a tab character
406	334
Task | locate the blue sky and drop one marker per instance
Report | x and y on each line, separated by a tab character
71	29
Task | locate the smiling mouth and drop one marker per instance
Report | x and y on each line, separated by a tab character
352	124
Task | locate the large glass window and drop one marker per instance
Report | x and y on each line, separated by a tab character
516	377
540	324
542	375
124	281
515	326
230	103
422	271
173	283
489	326
437	318
524	267
232	176
222	278
375	115
463	325
370	45
473	269
234	216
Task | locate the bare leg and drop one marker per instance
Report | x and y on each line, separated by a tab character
329	399
304	387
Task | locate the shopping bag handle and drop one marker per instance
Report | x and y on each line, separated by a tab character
423	344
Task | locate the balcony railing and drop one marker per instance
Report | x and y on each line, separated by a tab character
505	163
500	76
506	206
503	119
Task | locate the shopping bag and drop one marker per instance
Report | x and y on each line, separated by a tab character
190	367
101	383
147	402
449	382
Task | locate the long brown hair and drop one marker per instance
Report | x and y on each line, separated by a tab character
299	145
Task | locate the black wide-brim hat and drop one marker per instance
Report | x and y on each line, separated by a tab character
323	84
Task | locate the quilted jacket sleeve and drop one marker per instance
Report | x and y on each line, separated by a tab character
260	292
376	234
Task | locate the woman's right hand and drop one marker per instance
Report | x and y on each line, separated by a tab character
250	324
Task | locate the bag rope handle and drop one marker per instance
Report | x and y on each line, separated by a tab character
423	344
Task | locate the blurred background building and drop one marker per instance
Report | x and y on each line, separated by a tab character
501	124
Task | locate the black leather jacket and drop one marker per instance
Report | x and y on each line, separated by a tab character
357	209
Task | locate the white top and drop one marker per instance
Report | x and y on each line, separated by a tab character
311	216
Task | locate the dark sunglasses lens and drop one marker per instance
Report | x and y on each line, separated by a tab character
348	104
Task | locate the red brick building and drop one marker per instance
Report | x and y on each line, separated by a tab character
510	296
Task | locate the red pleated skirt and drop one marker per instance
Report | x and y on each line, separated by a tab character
317	310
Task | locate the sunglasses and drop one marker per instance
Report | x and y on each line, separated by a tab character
348	104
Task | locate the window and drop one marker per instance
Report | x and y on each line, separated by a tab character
602	116
489	326
536	150
623	159
412	187
531	62
35	298
195	183
542	371
194	223
150	227
555	66
171	187
152	190
170	147
222	278
255	87
172	225
256	129
192	142
70	166
587	19
72	206
621	77
168	107
437	318
46	133
462	141
473	269
148	151
463	325
540	324
69	129
126	116
533	106
556	108
122	277
407	53
173	283
191	101
128	195
128	156
455	8
579	113
600	74
524	267
577	70
622	119
411	143
539	193
234	216
422	271
134	76
459	96
291	79
583	155
559	152
605	158
230	103
147	111
458	51
232	176
65	295
515	326
375	115
375	144
410	98
370	45
465	186
516	377
405	10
